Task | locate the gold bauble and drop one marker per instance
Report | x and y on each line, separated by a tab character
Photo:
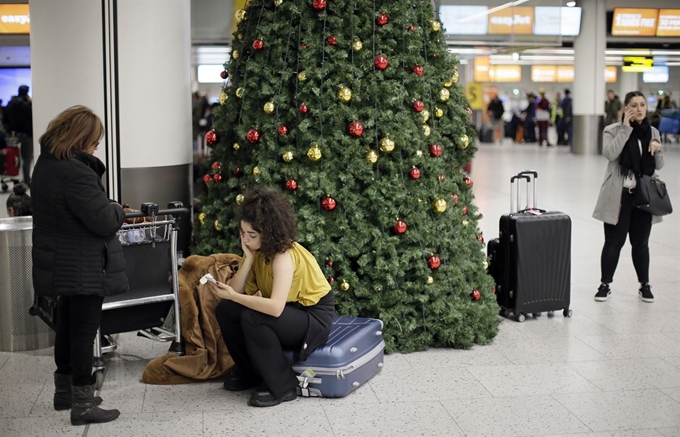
223	97
269	107
236	146
314	153
439	205
240	92
426	115
239	36
234	54
372	156
302	76
448	84
444	95
345	94
463	141
240	15
485	264
344	285
426	130
201	217
256	171
438	112
419	153
465	222
218	226
288	156
455	77
278	2
357	45
386	145
435	25
239	199
430	280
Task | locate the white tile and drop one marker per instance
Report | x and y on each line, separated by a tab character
674	393
574	326
44	404
396	361
296	418
635	433
437	358
531	380
640	322
18	398
510	417
548	350
124	368
669	432
4	356
633	345
22	367
673	360
426	385
629	374
396	419
623	410
204	396
185	424
508	332
363	395
42	427
127	397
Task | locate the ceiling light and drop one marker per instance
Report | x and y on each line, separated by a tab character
571	4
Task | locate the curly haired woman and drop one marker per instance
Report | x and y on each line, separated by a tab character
279	298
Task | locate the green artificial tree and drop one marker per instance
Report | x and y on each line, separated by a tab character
354	109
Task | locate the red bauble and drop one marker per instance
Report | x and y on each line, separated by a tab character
319	5
455	198
418	70
435	150
332	40
329	263
441	177
355	129
253	136
494	289
480	239
412	28
291	184
400	227
418	106
207	178
475	295
433	262
216	165
382	19
282	130
328	203
211	138
224	74
468	181
258	44
381	62
303	45
218	177
236	171
304	109
331	280
465	210
414	173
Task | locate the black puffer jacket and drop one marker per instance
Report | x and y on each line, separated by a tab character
75	247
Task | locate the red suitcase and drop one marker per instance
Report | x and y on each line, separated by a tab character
11	159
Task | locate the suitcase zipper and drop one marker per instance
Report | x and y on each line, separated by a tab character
340	373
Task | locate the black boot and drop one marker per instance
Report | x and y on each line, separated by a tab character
85	409
62	392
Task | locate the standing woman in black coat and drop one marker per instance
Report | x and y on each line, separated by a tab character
77	257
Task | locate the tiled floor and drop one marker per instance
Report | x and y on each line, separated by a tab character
611	370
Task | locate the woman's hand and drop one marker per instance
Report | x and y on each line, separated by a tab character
246	251
224	291
654	146
628	116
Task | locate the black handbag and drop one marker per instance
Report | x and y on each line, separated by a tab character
651	195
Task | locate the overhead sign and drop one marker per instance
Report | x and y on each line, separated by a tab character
464	20
473	92
505	73
555	20
634	22
669	22
513	20
14	19
610	74
637	64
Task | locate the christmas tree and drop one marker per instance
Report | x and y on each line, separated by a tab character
354	108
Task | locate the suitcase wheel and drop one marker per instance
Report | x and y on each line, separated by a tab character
520	317
535	315
503	313
33	311
551	313
567	312
98	379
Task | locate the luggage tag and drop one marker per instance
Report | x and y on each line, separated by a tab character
534	212
305	378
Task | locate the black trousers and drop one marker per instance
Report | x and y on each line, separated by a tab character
26	156
79	317
637	225
256	340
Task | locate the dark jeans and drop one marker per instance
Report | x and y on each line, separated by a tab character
26	156
637	225
542	132
79	318
256	340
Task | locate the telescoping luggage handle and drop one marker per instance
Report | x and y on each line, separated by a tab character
530	176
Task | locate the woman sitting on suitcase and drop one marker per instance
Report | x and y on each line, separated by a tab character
632	148
279	298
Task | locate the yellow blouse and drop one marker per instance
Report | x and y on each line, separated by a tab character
309	284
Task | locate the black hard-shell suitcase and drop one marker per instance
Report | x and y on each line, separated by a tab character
486	134
531	260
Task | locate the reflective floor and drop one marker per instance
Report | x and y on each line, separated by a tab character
613	369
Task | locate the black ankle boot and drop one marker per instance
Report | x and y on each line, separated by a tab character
62	392
85	410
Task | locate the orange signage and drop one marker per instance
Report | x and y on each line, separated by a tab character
669	22
543	73
14	19
634	22
505	73
481	69
517	20
565	73
610	73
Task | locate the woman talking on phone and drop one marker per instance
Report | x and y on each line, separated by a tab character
633	148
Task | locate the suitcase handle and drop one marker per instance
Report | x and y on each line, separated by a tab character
515	207
530	176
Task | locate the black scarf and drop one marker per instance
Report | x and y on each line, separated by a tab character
631	163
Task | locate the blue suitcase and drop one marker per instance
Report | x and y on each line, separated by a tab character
669	126
352	355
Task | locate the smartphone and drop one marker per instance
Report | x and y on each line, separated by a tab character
623	114
207	278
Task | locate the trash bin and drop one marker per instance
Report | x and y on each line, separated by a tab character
19	331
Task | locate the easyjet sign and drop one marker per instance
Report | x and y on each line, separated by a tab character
519	20
14	19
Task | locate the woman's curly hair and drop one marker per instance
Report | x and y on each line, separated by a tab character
269	213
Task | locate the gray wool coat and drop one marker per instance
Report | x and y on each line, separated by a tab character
609	201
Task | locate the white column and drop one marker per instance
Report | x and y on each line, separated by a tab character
628	82
128	60
589	82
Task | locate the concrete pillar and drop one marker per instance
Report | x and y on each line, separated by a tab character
129	61
589	82
628	82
